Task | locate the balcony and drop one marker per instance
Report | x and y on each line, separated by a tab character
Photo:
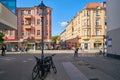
86	27
97	36
86	37
27	26
98	26
32	37
27	16
98	16
29	37
25	37
86	17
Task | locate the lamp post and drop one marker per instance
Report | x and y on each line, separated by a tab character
104	44
43	9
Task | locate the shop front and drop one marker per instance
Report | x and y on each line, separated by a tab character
11	44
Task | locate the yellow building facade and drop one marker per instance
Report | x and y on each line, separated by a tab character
88	27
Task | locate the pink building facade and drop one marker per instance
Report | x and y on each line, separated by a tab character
30	27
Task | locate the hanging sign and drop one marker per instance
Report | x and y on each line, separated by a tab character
109	42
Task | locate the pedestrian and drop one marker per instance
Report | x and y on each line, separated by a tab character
26	49
81	49
16	48
76	52
3	50
20	49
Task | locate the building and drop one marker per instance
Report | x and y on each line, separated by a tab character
88	29
30	27
63	36
8	23
7	18
113	30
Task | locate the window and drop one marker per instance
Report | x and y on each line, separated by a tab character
38	11
29	22
11	33
97	32
38	21
6	32
29	33
29	11
46	22
97	22
85	32
97	13
85	22
89	32
46	33
22	33
72	29
86	13
22	22
22	13
38	32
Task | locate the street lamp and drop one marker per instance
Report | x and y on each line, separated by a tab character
43	8
103	43
104	37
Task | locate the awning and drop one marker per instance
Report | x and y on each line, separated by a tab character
97	42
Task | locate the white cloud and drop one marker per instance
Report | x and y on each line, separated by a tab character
63	24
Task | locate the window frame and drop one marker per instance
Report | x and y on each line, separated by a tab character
38	32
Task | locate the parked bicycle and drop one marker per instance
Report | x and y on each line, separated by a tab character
100	53
42	68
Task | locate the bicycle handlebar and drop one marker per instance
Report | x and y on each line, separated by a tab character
47	57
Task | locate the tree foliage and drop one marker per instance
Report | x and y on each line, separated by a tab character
1	37
54	39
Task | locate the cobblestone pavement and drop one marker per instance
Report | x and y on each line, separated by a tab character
16	66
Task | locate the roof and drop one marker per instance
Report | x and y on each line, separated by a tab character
94	5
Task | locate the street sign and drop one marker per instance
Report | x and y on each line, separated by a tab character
109	42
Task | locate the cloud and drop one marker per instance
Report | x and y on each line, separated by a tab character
63	24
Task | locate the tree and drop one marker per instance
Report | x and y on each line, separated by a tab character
54	39
1	37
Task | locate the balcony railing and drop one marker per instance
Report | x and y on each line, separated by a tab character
86	26
31	36
98	26
86	37
27	26
27	16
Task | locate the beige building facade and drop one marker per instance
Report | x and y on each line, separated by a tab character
87	28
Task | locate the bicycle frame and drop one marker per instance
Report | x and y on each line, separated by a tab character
41	69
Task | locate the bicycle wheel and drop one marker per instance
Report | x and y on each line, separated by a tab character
54	68
34	72
43	72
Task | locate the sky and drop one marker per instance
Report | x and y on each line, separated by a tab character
63	11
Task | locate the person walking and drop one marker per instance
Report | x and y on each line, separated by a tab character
3	50
20	50
26	49
76	52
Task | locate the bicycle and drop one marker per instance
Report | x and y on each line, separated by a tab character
41	69
100	53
